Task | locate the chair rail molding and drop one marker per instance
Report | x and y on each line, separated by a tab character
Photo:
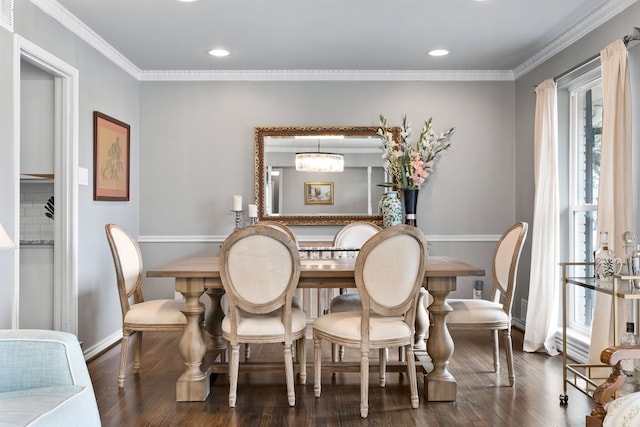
311	238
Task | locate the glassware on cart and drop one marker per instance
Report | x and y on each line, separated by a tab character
628	237
606	264
634	268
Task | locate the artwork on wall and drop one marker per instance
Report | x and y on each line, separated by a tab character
318	193
111	149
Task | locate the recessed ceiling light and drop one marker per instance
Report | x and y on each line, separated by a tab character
438	52
218	52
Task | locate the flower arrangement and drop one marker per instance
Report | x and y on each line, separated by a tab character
409	164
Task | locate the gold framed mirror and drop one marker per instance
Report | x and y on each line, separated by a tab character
295	197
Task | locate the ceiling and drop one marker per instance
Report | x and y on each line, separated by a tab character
333	34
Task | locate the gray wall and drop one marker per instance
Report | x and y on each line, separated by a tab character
196	152
104	87
589	45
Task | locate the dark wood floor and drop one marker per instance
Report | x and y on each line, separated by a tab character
484	398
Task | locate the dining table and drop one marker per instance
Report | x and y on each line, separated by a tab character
196	275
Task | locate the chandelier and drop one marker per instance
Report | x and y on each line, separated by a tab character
318	161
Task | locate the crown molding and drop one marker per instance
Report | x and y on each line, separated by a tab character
326	75
573	34
79	28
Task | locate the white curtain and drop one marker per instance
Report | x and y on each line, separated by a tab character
615	201
542	316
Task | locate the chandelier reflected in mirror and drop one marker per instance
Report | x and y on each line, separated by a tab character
318	161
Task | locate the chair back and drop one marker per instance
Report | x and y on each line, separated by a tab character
354	235
390	270
505	264
127	259
280	226
259	269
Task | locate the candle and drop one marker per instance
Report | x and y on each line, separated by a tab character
253	211
237	203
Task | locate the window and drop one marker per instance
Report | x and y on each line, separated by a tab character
585	147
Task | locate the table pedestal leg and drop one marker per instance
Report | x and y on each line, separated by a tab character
213	324
193	384
440	385
422	322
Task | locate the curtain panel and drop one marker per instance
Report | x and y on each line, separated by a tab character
615	196
542	317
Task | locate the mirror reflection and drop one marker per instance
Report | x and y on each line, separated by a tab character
303	194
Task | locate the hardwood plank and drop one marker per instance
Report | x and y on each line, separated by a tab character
484	397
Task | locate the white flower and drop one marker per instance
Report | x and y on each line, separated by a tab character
409	164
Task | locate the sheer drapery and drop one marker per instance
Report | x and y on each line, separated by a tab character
615	200
542	317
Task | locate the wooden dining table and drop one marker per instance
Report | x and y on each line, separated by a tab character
196	275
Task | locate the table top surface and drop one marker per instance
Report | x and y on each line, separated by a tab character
209	267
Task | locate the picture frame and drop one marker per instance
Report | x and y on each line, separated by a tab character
318	193
111	158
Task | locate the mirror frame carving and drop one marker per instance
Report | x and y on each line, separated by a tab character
259	185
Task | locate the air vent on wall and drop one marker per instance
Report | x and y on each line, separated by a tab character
6	14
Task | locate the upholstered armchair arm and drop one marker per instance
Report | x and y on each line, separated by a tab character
44	380
612	356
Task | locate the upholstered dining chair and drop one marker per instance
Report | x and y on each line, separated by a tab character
352	235
259	269
296	301
138	315
280	226
389	271
495	315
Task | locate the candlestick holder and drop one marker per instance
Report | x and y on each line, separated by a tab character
253	220
238	218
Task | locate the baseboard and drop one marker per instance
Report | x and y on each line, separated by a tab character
102	346
518	324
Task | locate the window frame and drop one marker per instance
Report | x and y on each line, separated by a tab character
578	85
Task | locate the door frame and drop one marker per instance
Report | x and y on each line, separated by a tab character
65	253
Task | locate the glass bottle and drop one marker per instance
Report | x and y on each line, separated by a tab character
606	264
634	266
629	338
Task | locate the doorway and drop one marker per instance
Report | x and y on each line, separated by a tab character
65	166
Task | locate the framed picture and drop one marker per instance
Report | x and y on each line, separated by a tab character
318	193
110	158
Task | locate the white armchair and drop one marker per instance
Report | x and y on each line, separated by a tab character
44	380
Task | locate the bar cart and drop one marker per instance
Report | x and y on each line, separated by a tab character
621	288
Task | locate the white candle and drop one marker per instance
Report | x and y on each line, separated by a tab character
253	211
237	203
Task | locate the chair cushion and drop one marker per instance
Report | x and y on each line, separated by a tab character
623	412
347	325
475	311
265	324
346	302
66	405
158	312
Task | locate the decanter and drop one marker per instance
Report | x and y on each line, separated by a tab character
634	266
606	264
